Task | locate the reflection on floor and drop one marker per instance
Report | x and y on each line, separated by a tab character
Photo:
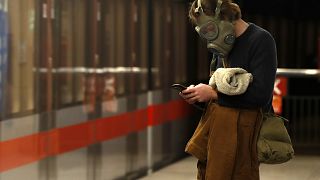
300	168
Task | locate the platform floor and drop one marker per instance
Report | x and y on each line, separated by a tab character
300	168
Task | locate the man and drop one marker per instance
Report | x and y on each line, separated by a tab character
225	139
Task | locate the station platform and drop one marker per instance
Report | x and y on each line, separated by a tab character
300	168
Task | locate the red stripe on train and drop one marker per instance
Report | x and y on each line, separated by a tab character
28	149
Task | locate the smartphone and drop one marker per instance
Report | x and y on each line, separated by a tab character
178	87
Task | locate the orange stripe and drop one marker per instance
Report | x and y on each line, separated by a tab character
21	151
28	149
72	137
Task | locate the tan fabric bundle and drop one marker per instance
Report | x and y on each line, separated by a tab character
231	81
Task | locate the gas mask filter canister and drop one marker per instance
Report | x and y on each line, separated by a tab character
219	34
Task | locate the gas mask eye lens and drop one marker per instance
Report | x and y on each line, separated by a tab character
229	39
209	31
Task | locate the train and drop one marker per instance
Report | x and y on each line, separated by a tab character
85	88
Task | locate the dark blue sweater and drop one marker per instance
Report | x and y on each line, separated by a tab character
254	51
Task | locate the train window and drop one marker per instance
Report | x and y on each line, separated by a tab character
180	42
71	51
167	70
108	35
121	45
169	43
21	54
120	22
157	43
143	53
115	48
108	55
79	47
66	54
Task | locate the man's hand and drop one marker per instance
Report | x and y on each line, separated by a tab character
198	93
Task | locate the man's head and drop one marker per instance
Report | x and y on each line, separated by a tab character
214	22
229	10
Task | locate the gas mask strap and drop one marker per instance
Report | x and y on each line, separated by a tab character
213	64
199	8
224	62
214	61
223	59
218	8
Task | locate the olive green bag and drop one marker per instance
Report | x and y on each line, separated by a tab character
274	143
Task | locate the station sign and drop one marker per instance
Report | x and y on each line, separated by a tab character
279	91
280	86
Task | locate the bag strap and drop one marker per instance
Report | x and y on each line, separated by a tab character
274	114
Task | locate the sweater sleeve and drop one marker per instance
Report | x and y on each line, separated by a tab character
263	66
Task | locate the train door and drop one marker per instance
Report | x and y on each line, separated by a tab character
162	74
124	60
169	57
18	88
137	99
71	45
114	87
121	59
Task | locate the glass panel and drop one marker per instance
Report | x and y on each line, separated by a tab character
163	44
157	42
3	57
133	37
79	51
66	54
71	52
120	42
21	56
167	61
108	54
115	45
180	42
143	40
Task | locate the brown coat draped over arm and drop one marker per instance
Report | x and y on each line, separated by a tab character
225	143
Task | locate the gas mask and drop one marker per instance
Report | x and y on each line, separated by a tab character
218	33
